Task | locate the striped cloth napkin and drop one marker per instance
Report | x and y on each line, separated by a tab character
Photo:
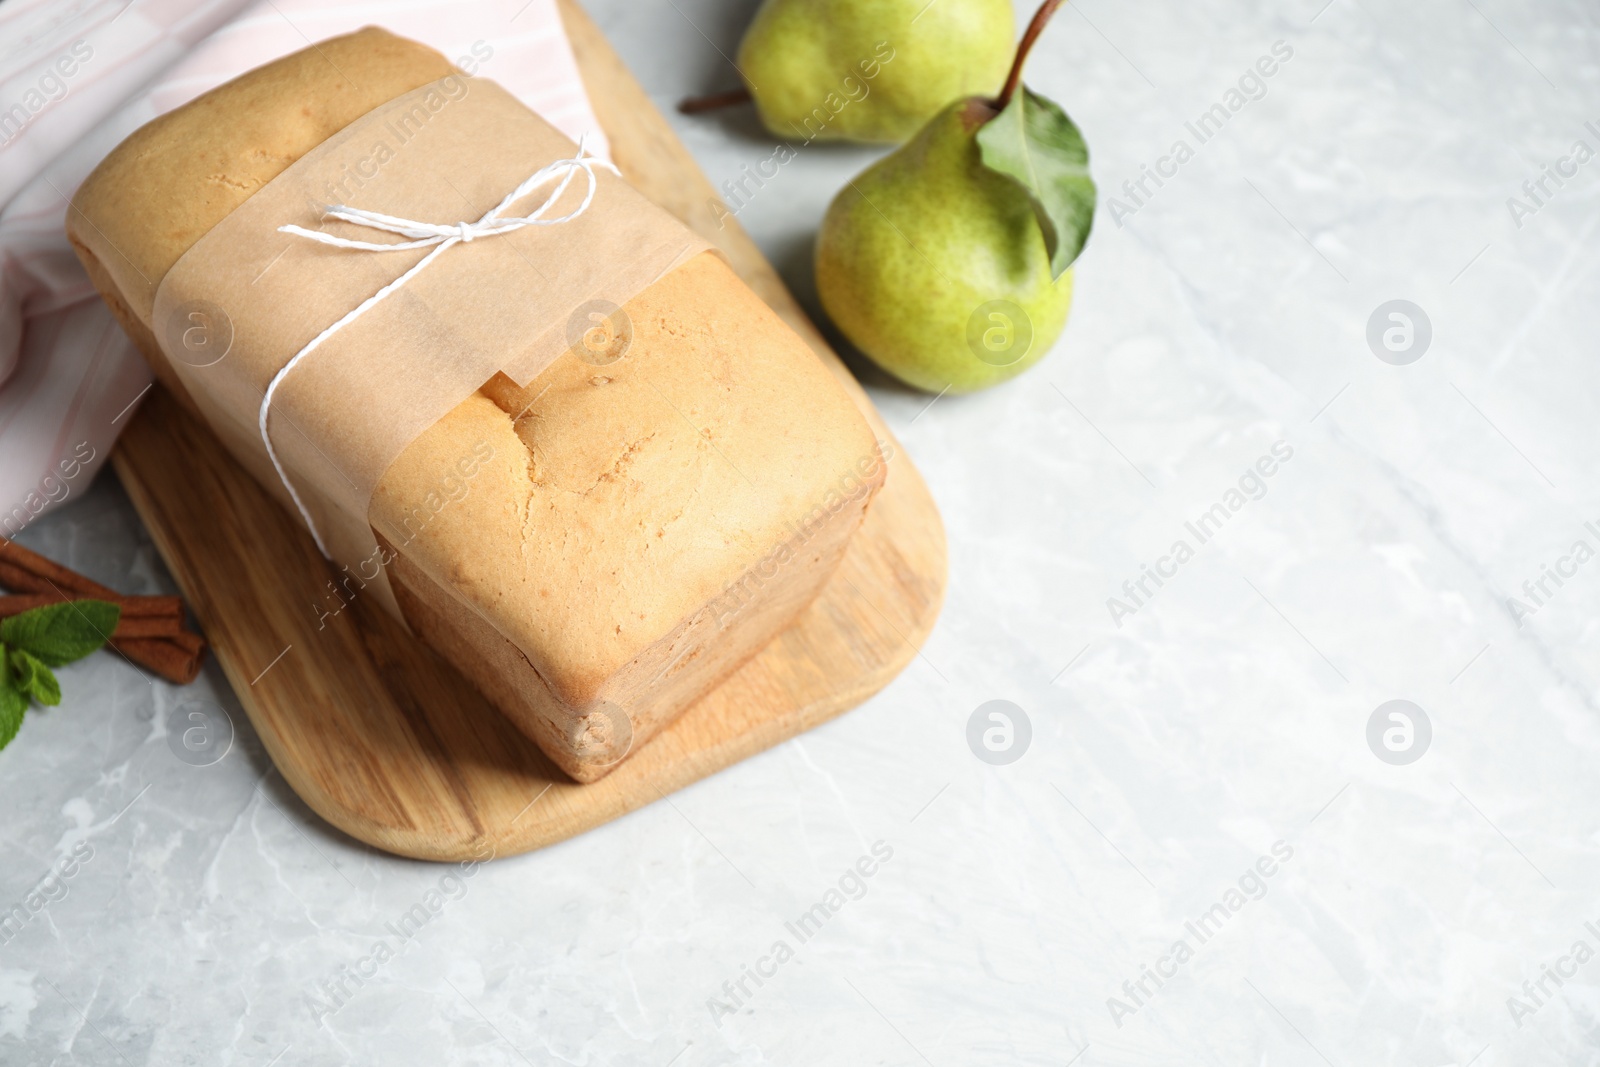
75	79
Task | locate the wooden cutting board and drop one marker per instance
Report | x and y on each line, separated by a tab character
382	738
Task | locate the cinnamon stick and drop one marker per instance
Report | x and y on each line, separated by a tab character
175	657
133	626
25	571
191	643
168	608
136	619
162	657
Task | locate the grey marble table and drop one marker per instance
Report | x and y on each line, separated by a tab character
1217	846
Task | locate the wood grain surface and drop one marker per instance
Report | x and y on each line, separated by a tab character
382	738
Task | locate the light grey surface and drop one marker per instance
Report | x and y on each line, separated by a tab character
1228	713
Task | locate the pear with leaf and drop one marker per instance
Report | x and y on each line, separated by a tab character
869	70
948	262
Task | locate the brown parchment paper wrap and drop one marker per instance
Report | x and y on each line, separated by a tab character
443	153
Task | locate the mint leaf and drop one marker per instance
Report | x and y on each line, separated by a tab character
35	679
1034	143
60	633
12	702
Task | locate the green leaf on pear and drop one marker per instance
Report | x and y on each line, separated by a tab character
57	634
1034	143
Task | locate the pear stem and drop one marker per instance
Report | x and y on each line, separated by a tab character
712	101
1029	36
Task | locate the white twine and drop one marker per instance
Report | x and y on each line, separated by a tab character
440	236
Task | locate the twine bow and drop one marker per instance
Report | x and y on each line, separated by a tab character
439	236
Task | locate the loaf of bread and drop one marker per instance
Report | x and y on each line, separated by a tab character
629	533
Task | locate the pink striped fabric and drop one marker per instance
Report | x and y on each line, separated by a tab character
78	77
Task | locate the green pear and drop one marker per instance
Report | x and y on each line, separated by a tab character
870	70
947	262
